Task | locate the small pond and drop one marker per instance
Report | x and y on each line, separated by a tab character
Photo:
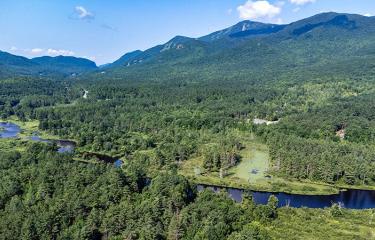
9	130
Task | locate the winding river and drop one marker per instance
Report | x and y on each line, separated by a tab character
351	198
11	130
64	146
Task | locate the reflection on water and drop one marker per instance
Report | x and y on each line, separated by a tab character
9	130
38	139
354	199
118	163
64	146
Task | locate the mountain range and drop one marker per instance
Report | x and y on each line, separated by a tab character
11	65
327	39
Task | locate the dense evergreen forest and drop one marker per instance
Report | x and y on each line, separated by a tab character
164	125
158	110
46	195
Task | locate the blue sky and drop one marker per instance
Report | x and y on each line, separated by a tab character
105	30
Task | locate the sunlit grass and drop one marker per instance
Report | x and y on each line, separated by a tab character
254	163
254	156
10	144
29	128
302	222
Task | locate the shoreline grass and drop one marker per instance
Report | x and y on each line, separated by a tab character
254	157
29	128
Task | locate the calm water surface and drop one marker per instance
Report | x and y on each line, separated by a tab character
354	199
9	130
118	163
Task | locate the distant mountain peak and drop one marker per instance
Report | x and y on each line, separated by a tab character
180	39
13	60
245	28
65	61
45	65
127	59
181	49
338	21
176	43
330	20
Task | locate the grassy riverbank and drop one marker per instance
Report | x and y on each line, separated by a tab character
279	185
252	173
29	128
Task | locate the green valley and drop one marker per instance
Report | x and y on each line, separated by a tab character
257	131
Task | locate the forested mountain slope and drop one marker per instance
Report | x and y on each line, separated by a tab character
316	75
65	64
331	43
12	65
246	48
185	105
243	29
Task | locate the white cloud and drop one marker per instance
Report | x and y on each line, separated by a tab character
368	15
297	9
58	52
279	21
301	2
48	52
258	9
83	13
229	11
36	51
43	52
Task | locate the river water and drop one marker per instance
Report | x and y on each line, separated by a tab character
354	199
351	198
11	130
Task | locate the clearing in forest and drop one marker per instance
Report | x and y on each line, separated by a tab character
251	173
252	169
254	163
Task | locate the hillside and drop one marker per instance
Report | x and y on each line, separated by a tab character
278	120
243	29
12	65
15	64
344	41
68	65
316	75
248	48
